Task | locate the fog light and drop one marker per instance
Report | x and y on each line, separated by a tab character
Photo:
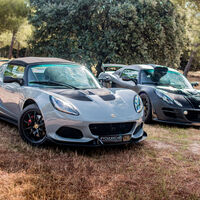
185	112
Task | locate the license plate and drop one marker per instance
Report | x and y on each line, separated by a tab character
115	139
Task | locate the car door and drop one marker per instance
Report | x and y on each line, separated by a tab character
129	73
10	93
2	69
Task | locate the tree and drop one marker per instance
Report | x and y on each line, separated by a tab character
193	33
12	15
102	31
191	10
22	36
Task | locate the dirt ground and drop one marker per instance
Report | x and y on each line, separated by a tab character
165	166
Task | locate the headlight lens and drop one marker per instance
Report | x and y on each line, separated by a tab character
138	104
166	98
63	106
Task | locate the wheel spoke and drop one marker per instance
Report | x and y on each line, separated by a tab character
40	119
34	114
41	124
145	103
29	116
29	128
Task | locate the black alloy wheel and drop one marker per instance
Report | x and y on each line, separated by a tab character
31	126
147	117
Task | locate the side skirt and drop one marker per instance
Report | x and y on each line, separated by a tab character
9	120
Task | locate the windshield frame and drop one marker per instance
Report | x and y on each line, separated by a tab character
95	80
186	81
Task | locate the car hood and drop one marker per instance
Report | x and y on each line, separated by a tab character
184	96
100	103
86	95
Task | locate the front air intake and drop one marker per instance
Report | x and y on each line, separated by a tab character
68	132
111	129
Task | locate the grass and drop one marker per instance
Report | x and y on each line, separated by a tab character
165	166
158	168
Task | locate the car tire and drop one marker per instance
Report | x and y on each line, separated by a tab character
147	117
31	126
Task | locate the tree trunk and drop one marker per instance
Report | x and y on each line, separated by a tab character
18	46
192	55
11	45
187	68
26	52
98	68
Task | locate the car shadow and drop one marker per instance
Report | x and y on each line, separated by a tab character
171	125
92	150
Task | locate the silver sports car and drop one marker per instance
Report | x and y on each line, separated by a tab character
61	101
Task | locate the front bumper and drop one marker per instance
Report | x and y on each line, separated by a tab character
97	143
57	120
175	115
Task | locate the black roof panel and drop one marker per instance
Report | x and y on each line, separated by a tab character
37	60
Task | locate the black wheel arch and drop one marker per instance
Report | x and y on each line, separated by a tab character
146	93
143	92
28	102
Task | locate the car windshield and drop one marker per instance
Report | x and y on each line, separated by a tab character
62	75
165	78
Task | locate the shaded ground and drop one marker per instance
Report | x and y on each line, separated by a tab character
165	166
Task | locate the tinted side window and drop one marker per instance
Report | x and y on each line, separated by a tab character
130	73
14	71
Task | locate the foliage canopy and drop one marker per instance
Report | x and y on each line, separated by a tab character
191	51
12	14
103	31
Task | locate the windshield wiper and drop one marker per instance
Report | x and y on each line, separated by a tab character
54	83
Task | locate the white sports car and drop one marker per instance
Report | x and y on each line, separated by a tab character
58	100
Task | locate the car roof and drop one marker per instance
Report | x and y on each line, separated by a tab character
25	61
113	65
140	66
147	66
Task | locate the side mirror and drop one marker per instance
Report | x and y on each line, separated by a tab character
8	79
125	78
195	84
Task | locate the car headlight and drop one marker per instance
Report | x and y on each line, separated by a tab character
166	98
138	104
63	106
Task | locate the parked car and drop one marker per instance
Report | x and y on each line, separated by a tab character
166	94
61	101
